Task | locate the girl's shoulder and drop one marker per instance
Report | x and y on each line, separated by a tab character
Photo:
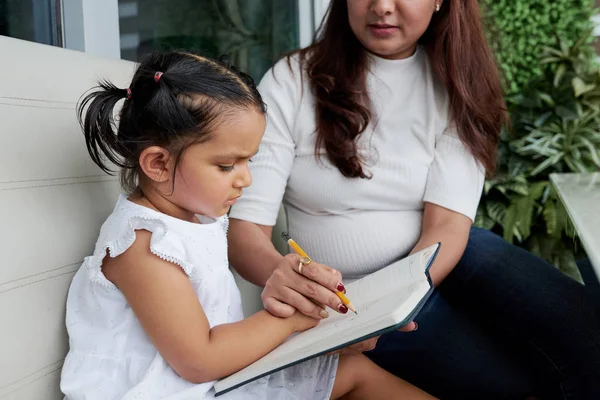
173	240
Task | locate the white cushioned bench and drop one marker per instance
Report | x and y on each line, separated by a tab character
53	200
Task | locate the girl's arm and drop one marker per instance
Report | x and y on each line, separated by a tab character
452	230
164	301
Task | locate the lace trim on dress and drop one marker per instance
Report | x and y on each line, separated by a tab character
118	246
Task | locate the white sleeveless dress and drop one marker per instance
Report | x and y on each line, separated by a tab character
110	355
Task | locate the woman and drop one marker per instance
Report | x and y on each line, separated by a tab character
378	138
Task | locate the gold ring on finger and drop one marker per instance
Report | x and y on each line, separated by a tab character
303	261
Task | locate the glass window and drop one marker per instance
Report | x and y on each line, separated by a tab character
252	33
34	20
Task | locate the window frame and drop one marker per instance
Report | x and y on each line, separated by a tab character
99	35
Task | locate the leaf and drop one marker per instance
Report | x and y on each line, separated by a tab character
571	166
580	87
550	60
565	220
534	246
542	246
560	72
487	186
581	167
583	39
564	46
526	206
567	111
496	211
483	221
566	263
518	235
510	222
537	189
548	163
546	98
553	51
593	152
562	218
550	217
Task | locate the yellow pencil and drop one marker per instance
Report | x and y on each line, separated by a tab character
302	253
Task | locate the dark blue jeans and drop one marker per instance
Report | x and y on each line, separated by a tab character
503	325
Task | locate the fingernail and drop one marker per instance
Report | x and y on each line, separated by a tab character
324	314
343	309
416	327
341	288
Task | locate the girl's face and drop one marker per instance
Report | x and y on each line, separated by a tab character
390	28
212	174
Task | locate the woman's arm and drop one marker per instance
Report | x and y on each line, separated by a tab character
452	230
168	309
251	251
254	257
266	267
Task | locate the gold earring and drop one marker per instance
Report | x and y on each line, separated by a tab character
437	7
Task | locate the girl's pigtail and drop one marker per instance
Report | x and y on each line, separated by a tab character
95	114
164	108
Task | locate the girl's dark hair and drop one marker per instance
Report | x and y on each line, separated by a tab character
173	110
336	65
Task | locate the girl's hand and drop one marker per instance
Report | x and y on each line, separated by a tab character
288	290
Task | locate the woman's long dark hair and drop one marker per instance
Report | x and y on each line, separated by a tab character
173	101
460	57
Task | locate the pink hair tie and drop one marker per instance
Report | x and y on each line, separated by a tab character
157	76
128	93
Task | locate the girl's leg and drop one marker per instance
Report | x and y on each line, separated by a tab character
359	378
525	298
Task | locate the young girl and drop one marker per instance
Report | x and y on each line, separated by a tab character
154	312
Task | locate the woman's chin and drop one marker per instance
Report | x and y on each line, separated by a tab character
390	52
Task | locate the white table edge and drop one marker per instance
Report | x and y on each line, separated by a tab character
593	255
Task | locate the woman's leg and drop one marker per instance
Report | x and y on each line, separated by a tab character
453	357
527	299
359	378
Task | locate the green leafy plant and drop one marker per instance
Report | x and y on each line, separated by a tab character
518	29
555	127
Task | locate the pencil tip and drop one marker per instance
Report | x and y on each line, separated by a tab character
285	235
355	313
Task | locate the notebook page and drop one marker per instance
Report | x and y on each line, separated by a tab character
404	284
334	332
397	275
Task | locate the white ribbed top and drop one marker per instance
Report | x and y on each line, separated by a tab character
360	225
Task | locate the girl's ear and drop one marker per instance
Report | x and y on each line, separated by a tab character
156	164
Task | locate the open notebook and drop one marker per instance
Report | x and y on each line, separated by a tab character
385	300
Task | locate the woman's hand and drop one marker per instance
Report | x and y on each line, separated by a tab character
370	344
288	290
357	348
